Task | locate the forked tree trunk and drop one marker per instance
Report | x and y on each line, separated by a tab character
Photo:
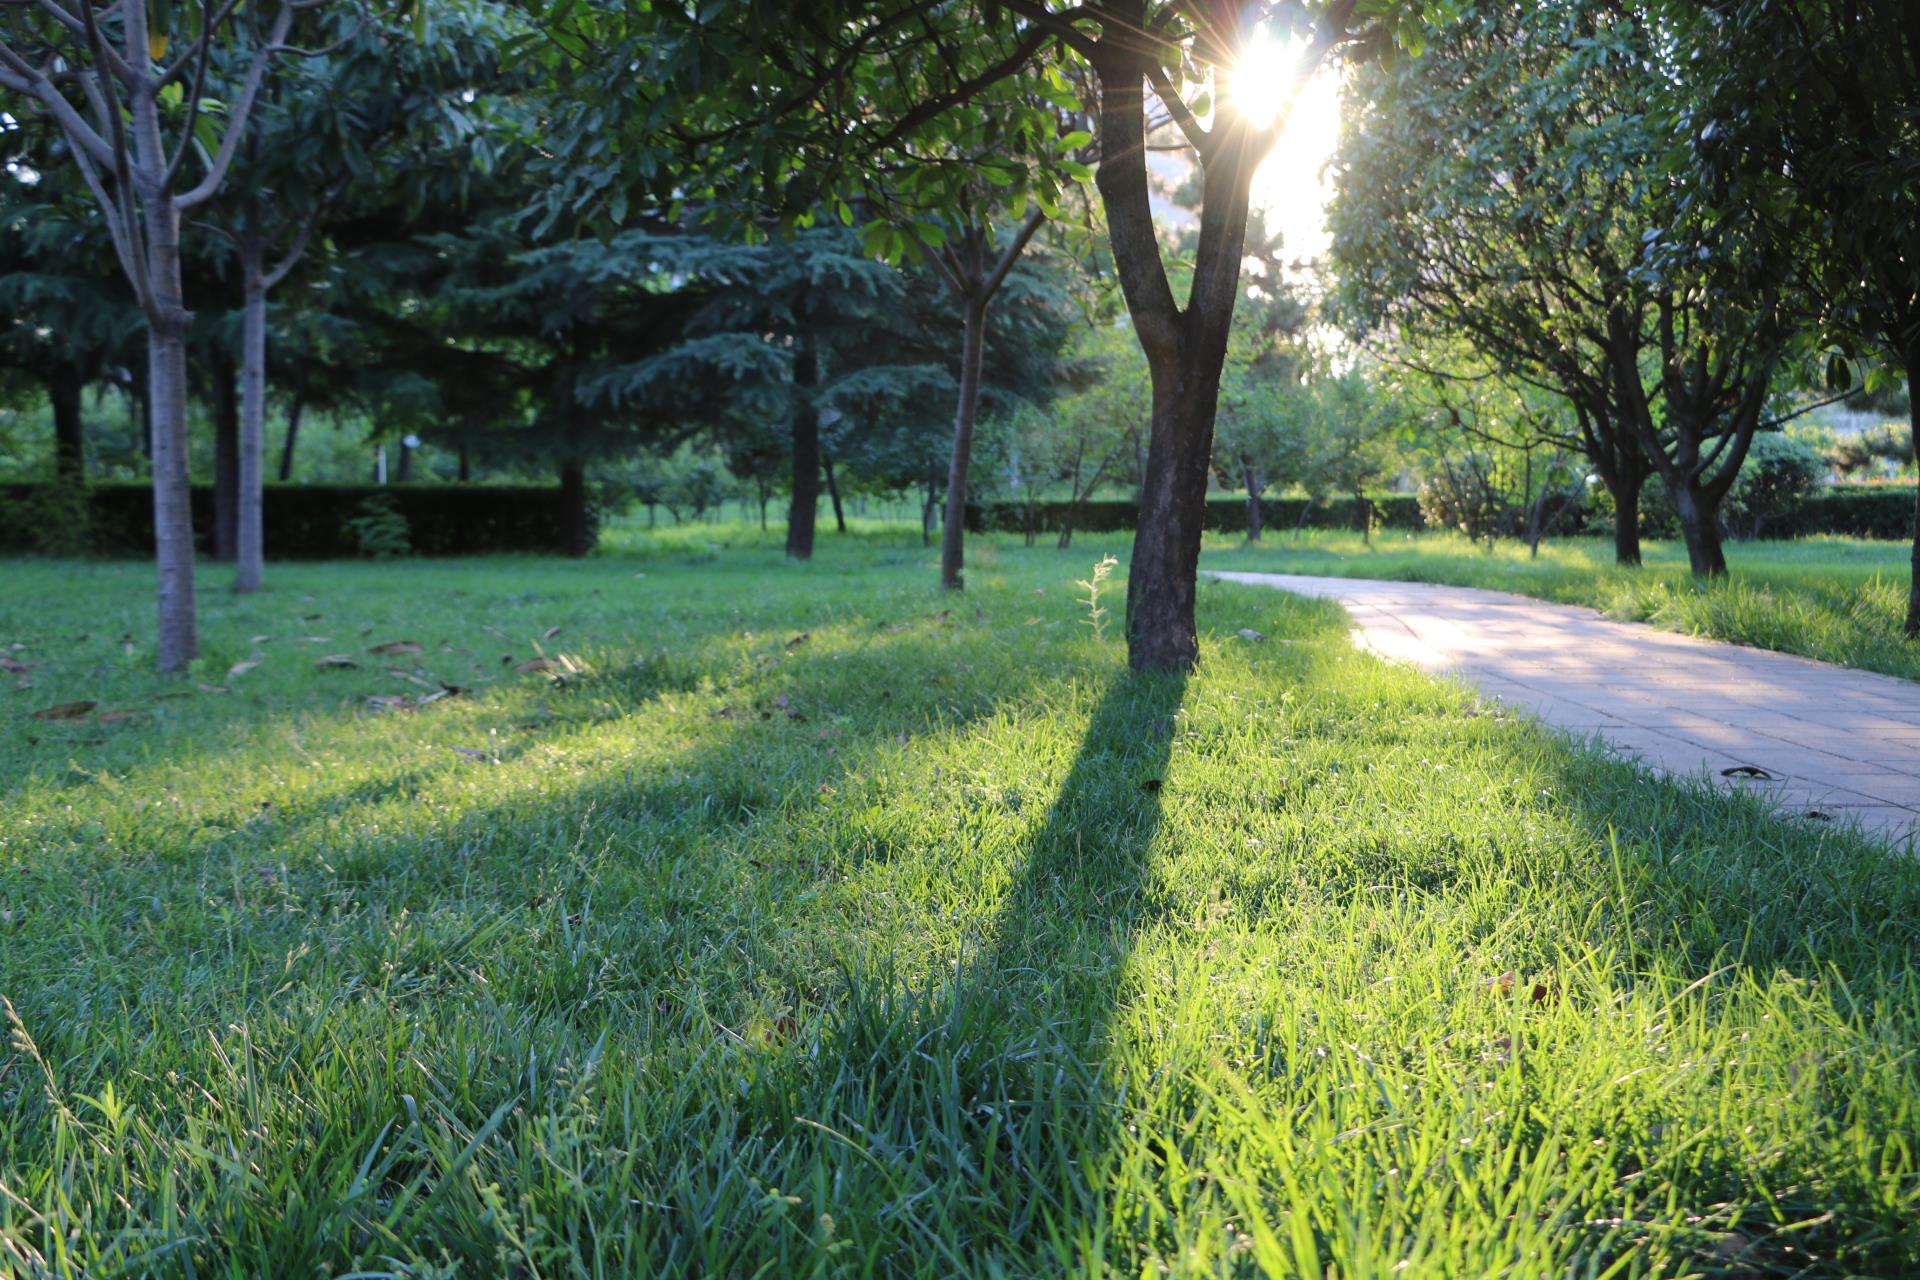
972	356
806	460
1700	530
226	460
250	544
69	431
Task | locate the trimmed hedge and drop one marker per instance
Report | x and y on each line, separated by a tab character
1224	515
309	522
1856	511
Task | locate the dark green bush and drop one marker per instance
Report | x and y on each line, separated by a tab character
314	522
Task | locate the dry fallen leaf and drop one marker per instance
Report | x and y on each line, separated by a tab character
241	668
13	666
65	711
532	665
1503	985
550	633
334	662
393	647
389	701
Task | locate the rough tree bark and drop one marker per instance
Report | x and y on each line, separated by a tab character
805	503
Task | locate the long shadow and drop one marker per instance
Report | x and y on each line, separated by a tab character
993	1085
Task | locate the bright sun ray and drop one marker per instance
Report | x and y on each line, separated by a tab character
1290	186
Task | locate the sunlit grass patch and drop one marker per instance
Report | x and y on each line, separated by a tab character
815	922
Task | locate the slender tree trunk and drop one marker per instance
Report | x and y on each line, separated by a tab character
1913	416
293	435
226	460
761	486
927	508
249	515
1364	505
1253	501
972	355
576	526
805	504
466	466
406	463
69	430
833	492
177	633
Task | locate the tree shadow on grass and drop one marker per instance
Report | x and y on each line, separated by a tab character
985	1097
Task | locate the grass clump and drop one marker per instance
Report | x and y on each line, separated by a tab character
1839	600
803	920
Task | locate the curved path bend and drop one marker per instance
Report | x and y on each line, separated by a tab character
1826	740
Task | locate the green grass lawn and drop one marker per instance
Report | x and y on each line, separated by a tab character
813	923
1836	599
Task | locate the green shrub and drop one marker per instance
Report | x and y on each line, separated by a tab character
54	519
379	530
1779	472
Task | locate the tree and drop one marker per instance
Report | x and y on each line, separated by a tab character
127	88
1808	123
69	320
784	111
1523	186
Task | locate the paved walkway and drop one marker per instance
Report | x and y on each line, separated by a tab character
1825	739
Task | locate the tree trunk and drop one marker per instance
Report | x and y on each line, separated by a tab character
226	460
293	435
69	431
177	634
466	465
1700	531
406	463
806	459
576	526
249	510
1253	501
1626	520
972	354
1364	505
761	487
1913	416
833	492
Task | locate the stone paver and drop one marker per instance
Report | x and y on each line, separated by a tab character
1837	742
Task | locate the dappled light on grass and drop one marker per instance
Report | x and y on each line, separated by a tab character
829	922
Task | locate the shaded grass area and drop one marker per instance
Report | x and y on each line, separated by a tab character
1839	600
821	924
